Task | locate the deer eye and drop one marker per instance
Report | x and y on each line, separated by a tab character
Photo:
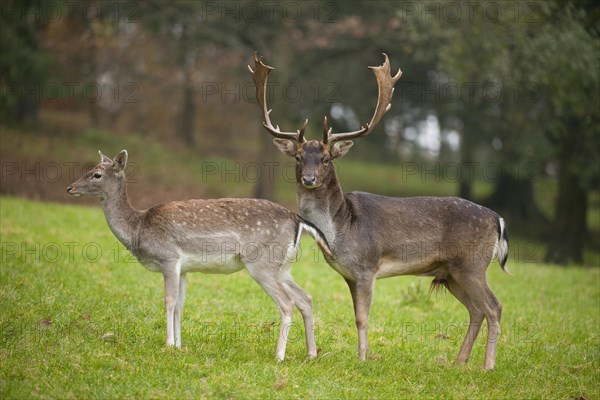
97	175
298	158
326	161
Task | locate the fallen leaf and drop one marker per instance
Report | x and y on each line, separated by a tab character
268	326
281	382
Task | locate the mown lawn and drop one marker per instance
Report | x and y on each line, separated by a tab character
80	319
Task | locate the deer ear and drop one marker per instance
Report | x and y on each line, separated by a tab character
340	149
103	158
285	146
120	161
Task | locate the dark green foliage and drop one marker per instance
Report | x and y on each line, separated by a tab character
518	82
24	63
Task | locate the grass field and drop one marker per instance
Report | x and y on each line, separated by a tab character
81	319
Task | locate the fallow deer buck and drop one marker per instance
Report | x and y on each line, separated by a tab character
371	237
212	236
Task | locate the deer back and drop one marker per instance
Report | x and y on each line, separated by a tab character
206	233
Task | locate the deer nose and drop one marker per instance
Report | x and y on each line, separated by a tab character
309	180
69	189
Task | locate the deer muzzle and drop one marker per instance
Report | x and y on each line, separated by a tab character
70	191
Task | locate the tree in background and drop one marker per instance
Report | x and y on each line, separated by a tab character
567	55
526	72
24	63
540	65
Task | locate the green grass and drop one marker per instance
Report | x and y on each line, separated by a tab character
80	319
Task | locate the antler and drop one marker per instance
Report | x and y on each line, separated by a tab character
385	85
260	76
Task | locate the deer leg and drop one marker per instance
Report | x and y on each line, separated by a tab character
269	281
178	310
475	320
303	301
362	293
484	300
171	276
493	315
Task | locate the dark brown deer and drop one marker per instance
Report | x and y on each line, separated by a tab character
219	236
371	237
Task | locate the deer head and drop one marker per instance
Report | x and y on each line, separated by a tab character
314	157
102	180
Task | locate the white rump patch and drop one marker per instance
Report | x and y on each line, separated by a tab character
501	247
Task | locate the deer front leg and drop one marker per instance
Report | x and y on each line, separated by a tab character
362	293
179	310
171	292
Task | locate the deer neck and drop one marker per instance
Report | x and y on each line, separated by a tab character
325	206
122	219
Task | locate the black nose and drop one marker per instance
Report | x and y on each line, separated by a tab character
308	181
69	189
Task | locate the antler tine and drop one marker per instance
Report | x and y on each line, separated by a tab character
301	131
326	130
385	86
260	76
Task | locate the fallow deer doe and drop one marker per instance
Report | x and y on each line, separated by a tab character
213	236
371	237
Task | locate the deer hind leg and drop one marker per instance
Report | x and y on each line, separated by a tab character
483	301
362	294
269	280
303	301
475	320
493	317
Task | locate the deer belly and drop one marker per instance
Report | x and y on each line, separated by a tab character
393	267
211	263
152	266
344	271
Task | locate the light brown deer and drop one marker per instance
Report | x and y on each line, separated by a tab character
212	236
371	237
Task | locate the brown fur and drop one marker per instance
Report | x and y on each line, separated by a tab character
373	236
212	236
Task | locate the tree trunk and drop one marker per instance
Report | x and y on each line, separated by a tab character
188	62
93	71
186	128
516	198
265	187
27	110
569	228
465	189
